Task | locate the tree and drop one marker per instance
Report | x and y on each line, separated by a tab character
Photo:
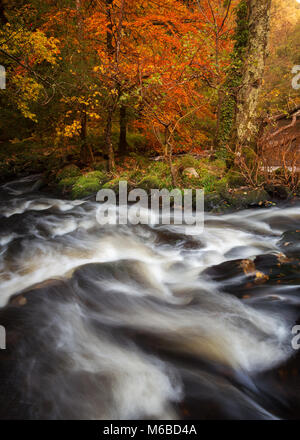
230	88
246	127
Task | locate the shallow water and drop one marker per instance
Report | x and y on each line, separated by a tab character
121	322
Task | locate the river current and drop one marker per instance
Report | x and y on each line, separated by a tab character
145	321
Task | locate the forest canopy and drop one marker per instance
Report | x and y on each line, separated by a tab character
92	80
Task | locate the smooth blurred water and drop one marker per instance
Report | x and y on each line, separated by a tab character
121	322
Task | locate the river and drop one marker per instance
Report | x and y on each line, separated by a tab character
145	321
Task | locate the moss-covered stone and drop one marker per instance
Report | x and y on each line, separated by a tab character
246	198
68	172
235	179
154	182
214	202
88	184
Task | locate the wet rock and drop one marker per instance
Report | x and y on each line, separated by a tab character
182	241
246	198
230	273
278	191
239	276
279	268
214	202
290	243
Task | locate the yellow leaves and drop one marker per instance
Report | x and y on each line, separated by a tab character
114	92
260	277
28	92
69	131
100	69
93	115
249	269
43	48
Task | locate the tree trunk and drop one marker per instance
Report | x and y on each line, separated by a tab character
108	141
86	152
246	127
109	34
3	19
218	122
123	131
111	108
168	153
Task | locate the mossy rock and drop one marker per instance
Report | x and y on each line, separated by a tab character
246	198
114	184
67	183
278	191
88	184
214	202
154	182
187	161
67	172
235	179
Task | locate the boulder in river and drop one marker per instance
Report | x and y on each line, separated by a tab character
290	243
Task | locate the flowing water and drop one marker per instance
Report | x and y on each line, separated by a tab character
121	322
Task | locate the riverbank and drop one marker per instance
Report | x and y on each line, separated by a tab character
66	176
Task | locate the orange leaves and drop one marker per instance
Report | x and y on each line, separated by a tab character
155	57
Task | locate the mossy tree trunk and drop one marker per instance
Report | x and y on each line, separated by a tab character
246	127
227	96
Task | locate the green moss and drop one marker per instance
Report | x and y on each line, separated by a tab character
113	184
158	169
154	182
235	179
187	161
68	182
67	172
88	184
220	164
142	161
245	199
